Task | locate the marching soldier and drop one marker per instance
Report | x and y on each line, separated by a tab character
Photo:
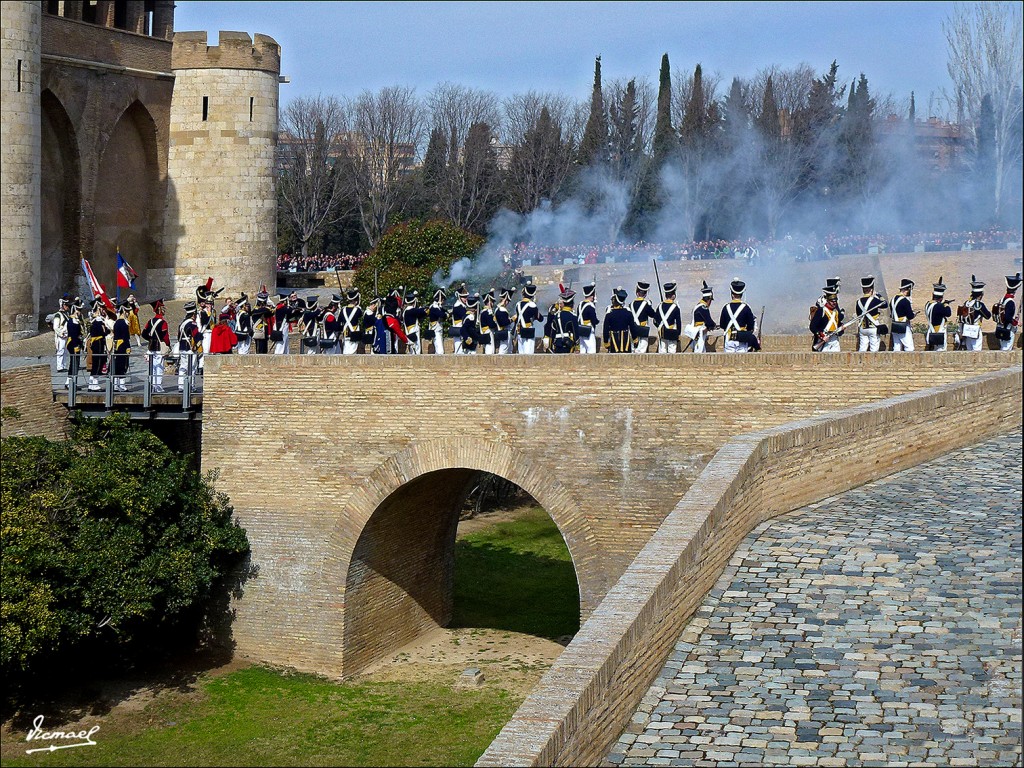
1006	314
262	316
458	316
97	344
60	332
870	306
330	326
901	309
436	315
937	312
412	316
309	326
619	326
243	325
702	321
469	339
74	345
738	322
503	322
587	321
643	314
351	324
564	333
526	317
157	337
825	325
190	343
669	321
971	314
487	323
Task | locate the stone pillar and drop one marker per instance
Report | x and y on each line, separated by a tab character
105	13
73	9
135	17
20	168
163	19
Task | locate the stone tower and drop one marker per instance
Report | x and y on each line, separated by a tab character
221	212
20	169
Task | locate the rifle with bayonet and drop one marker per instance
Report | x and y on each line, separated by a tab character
826	338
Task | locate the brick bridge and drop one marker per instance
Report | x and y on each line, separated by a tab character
348	472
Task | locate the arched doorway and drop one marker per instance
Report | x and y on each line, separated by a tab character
128	204
61	204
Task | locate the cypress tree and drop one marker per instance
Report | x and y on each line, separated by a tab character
767	122
664	141
594	146
985	159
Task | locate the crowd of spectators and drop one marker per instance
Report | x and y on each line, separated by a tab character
320	262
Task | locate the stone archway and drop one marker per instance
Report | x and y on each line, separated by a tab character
127	200
399	568
61	204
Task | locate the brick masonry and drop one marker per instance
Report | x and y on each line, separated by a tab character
584	701
317	453
28	390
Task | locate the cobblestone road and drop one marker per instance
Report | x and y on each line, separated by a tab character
881	627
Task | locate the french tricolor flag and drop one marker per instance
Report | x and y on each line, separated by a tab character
125	274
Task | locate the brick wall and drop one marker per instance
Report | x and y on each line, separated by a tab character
310	448
82	40
585	700
28	390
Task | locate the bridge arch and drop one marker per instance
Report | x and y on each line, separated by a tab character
397	539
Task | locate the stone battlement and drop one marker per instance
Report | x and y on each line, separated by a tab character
234	50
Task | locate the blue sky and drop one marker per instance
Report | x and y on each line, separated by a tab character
343	48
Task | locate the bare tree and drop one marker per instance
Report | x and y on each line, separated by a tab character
309	185
791	87
387	132
985	59
543	131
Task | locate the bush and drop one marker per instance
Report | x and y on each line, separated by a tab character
107	536
410	254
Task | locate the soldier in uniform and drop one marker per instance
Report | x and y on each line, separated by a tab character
469	340
526	318
549	323
97	344
60	332
190	343
121	345
458	316
738	322
564	333
503	322
971	314
309	326
1006	314
643	314
412	315
205	320
262	321
870	305
901	309
831	289
394	330
133	319
669	321
702	321
351	323
243	325
825	325
330	326
937	312
74	345
619	326
587	321
158	340
436	315
487	323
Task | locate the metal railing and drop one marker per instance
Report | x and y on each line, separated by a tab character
137	375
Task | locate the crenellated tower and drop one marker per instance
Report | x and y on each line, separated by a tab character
221	212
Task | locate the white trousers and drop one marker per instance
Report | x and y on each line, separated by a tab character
414	347
281	347
526	346
903	342
699	343
349	347
185	368
867	340
156	370
668	347
943	347
588	344
60	343
731	345
1006	345
504	347
311	350
641	346
489	348
972	345
244	344
832	346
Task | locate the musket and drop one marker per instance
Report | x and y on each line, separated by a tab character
819	345
658	278
760	326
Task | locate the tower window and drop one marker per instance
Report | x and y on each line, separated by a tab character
19	80
206	107
252	100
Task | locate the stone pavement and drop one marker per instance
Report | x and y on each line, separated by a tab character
881	627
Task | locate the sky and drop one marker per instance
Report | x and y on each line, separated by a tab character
344	48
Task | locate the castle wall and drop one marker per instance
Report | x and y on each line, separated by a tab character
20	168
221	212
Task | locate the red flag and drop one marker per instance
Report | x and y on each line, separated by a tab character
98	292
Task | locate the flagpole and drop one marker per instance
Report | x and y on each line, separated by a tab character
117	274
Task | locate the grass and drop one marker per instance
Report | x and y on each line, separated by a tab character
515	576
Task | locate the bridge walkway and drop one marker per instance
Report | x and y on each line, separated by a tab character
878	627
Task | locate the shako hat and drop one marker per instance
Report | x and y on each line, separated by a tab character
670	289
619	295
440	295
412	296
261	297
65	300
473	301
311	301
508	293
462	292
939	288
830	290
706	291
568	295
977	286
589	291
529	290
833	283
737	286
352	295
190	307
867	283
335	300
1013	282
157	305
906	284
642	287
124	307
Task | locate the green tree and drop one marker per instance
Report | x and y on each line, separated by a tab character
664	144
108	536
594	145
985	162
411	253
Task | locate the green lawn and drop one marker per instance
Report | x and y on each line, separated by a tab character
515	576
